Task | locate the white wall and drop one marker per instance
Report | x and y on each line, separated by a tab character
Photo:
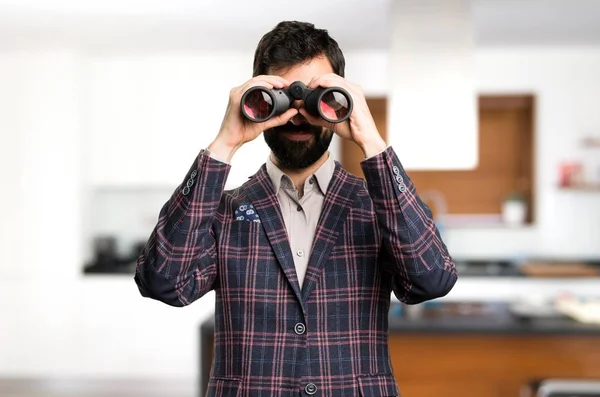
40	208
53	321
138	120
567	88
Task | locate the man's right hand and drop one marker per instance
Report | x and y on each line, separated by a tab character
236	129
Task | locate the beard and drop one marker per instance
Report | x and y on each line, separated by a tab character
298	155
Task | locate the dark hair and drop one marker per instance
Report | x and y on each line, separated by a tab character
291	43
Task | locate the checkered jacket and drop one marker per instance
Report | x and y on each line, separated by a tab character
273	338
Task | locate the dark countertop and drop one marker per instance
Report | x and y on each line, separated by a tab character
487	318
487	268
469	318
507	268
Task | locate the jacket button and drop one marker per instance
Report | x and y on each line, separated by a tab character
396	170
193	174
310	389
186	190
402	187
399	179
299	328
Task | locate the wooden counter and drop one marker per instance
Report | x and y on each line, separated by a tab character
491	365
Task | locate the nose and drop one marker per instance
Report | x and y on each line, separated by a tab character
298	119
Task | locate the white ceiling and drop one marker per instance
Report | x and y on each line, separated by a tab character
238	24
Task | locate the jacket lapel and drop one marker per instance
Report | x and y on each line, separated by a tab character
338	201
262	194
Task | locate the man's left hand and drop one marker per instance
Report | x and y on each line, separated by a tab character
360	126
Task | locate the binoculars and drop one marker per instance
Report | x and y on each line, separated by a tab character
259	104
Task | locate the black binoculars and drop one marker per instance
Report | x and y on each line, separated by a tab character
334	104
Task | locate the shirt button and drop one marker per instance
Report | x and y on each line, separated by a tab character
299	328
310	389
300	253
311	180
299	208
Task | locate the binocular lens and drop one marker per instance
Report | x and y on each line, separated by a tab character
258	105
334	106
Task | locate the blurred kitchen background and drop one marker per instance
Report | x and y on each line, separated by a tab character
493	106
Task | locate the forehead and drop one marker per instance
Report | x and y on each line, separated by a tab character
306	71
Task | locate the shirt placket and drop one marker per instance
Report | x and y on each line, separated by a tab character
297	229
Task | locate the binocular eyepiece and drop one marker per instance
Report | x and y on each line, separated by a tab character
259	104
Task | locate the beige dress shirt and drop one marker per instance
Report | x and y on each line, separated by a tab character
301	215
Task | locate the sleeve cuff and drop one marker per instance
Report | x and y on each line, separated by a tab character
377	154
215	157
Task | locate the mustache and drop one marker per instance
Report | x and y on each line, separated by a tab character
304	127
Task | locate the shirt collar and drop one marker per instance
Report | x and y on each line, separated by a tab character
323	175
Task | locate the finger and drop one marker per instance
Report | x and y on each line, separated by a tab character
269	82
327	80
257	83
280	119
275	81
238	93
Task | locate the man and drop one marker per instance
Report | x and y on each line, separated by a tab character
303	257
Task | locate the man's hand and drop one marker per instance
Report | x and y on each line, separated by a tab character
237	130
360	127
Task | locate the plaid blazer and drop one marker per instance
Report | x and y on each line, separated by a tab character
273	338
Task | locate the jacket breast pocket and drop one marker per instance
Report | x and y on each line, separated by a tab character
223	387
245	233
243	250
245	225
383	385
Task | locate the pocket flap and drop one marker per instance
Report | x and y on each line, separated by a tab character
378	386
223	387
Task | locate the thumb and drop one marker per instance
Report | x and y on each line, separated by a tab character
314	120
282	119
